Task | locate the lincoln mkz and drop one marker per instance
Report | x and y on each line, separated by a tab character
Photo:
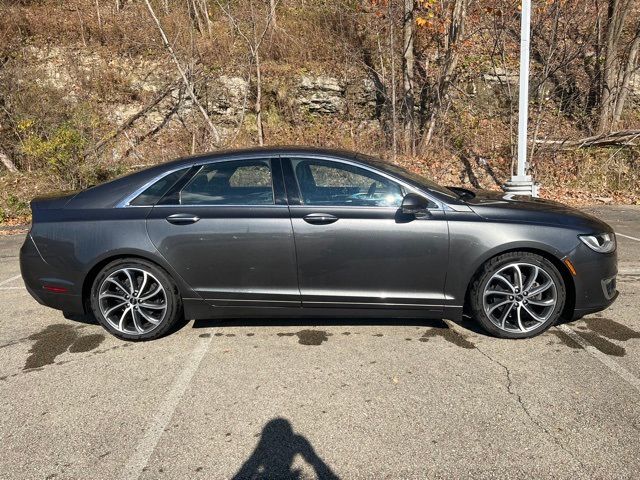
300	232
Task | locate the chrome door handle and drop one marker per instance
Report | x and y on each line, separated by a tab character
320	218
182	219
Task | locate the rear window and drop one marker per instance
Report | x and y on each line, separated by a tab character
156	191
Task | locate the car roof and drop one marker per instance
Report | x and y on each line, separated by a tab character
271	150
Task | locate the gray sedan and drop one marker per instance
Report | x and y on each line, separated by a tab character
307	232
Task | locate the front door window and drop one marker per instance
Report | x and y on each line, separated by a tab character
340	184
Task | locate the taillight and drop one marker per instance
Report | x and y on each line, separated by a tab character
55	289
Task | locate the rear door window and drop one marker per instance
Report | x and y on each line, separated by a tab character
245	182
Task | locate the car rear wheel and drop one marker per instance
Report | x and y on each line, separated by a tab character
518	295
135	300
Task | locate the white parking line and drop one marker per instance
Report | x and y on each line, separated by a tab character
148	442
4	282
627	236
614	366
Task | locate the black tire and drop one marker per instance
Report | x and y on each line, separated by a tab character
495	264
173	301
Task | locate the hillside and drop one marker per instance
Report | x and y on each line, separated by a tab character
90	89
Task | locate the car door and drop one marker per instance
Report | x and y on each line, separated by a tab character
354	246
226	230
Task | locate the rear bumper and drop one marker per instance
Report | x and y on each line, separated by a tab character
37	273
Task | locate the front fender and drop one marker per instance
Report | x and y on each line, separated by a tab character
474	243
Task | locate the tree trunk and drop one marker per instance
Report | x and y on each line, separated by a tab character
6	161
194	14
456	30
408	62
272	13
259	100
254	41
627	73
99	17
394	114
255	52
616	16
207	19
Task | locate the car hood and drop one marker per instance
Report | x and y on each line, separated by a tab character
502	206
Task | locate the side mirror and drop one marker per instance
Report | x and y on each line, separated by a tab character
413	204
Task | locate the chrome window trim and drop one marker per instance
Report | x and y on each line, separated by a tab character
126	202
409	188
218	205
440	205
132	196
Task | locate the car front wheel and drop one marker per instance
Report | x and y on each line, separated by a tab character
135	300
518	295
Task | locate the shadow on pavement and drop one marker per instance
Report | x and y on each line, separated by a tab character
274	455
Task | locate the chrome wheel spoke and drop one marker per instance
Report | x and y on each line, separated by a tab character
122	317
532	278
497	292
520	326
533	315
153	306
505	281
128	313
506	313
145	276
540	289
136	323
518	276
153	294
118	284
131	282
542	303
497	305
148	318
112	295
114	308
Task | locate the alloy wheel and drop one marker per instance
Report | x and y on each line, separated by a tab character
520	297
132	300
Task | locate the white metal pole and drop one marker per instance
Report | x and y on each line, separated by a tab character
525	29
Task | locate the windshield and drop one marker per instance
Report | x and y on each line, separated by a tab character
414	178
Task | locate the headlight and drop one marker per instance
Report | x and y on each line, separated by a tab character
601	242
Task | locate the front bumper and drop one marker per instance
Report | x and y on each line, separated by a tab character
595	280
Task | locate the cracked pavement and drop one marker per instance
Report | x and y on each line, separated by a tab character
309	399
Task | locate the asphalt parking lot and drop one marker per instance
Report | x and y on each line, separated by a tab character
339	399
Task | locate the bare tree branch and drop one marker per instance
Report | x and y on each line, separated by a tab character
614	139
6	161
132	119
189	87
253	45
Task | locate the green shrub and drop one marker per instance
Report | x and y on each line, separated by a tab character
62	150
16	205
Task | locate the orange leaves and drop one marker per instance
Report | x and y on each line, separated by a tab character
422	22
428	15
